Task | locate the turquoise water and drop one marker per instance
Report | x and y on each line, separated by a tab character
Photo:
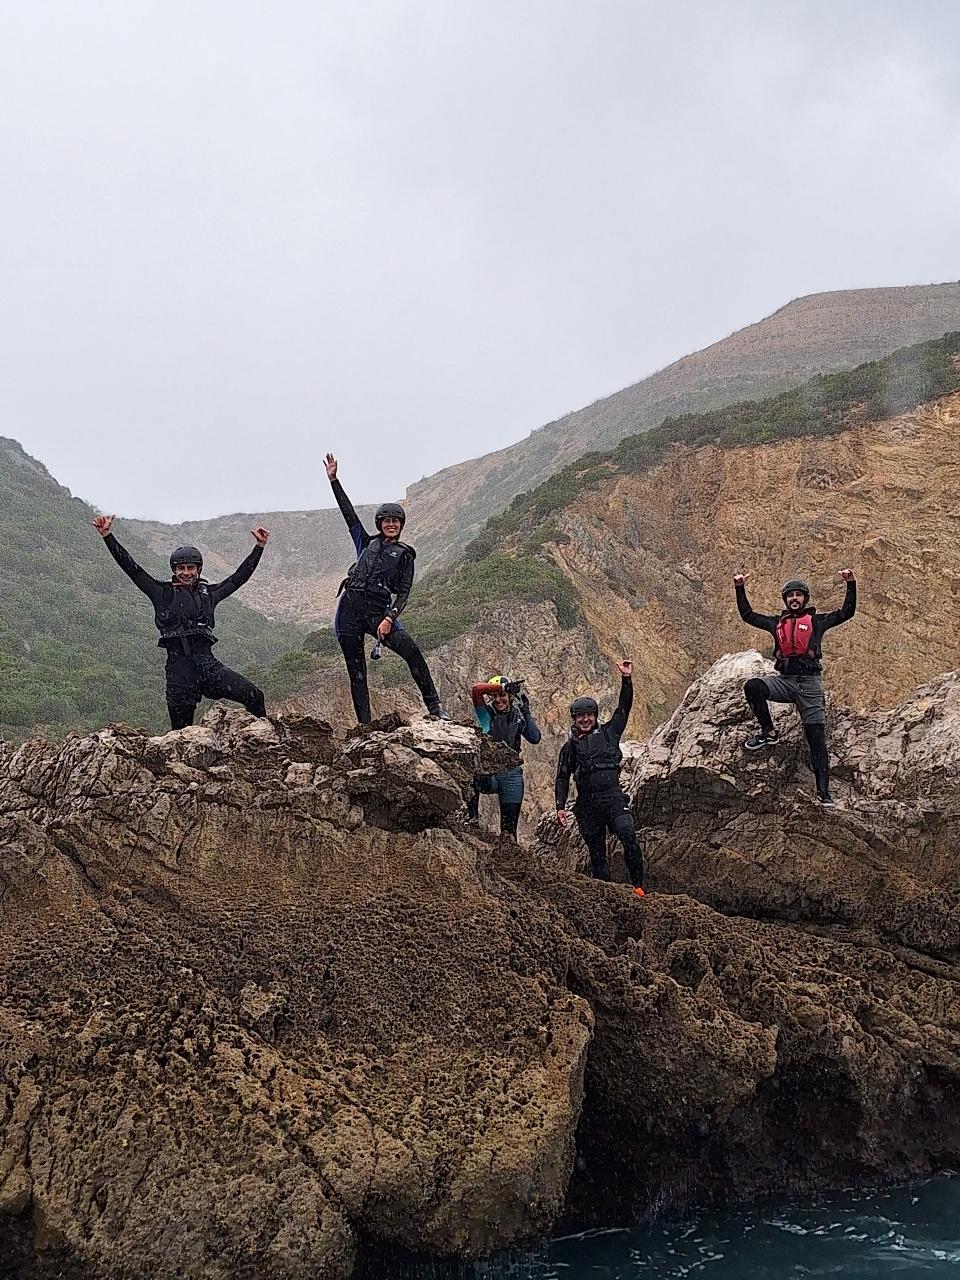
911	1233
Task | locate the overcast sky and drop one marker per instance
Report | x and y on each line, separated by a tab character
235	234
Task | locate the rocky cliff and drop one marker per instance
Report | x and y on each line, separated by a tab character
810	335
649	557
267	1008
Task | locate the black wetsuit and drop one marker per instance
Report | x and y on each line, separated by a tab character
593	761
184	616
376	587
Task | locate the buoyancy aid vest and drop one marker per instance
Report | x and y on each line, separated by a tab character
598	757
376	573
796	651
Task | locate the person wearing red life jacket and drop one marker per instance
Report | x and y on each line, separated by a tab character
797	639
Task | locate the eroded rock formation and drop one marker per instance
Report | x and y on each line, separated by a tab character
266	1005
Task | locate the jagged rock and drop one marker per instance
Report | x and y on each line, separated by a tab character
239	1026
840	937
258	1012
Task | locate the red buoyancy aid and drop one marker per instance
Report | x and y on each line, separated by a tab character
795	635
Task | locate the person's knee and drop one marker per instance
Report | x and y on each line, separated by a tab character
755	690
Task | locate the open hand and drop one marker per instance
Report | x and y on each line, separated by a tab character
330	463
102	524
562	817
261	535
625	668
384	629
846	575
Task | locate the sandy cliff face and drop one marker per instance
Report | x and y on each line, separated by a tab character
651	558
810	335
652	555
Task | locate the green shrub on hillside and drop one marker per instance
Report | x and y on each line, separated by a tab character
78	647
823	406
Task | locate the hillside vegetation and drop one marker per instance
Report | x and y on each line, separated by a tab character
510	559
78	647
818	334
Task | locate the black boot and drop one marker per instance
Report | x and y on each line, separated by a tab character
820	761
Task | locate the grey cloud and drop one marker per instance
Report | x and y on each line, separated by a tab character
237	233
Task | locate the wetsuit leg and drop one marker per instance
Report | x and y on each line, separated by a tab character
348	625
620	821
510	795
402	642
819	756
755	691
484	784
509	818
592	821
183	688
218	681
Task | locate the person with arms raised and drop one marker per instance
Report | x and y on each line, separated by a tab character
797	632
372	597
184	615
591	756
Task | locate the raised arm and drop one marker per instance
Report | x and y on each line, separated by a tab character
618	721
529	729
139	577
357	532
849	606
762	621
220	590
481	712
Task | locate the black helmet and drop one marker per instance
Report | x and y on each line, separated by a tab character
583	707
390	511
795	584
186	555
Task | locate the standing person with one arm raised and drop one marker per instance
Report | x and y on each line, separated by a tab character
591	756
372	597
797	632
184	615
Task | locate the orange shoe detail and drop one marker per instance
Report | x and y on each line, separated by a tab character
639	892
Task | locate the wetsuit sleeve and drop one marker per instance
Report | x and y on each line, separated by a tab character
404	586
220	590
762	621
479	689
482	716
844	613
139	577
564	769
618	721
530	729
357	532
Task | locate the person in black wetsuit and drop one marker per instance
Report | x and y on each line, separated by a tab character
372	597
591	756
797	649
184	613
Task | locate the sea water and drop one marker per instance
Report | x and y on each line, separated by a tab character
911	1233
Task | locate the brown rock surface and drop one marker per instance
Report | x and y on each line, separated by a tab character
840	935
263	1005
